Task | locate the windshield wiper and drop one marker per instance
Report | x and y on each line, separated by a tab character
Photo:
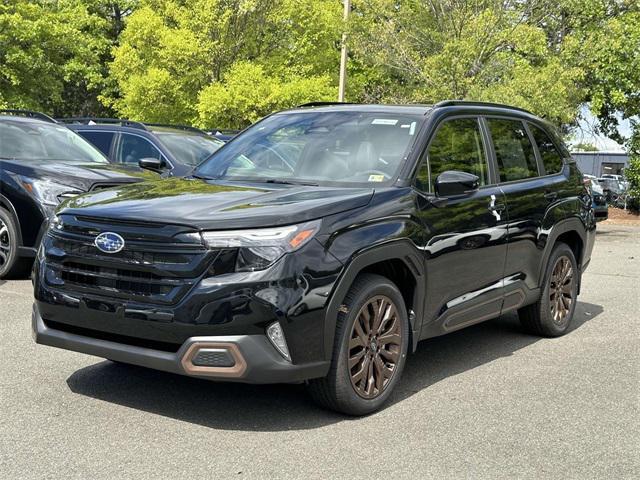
201	177
289	182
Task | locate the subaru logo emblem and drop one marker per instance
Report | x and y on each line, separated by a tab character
109	242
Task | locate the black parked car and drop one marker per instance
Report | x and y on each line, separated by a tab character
42	163
171	150
321	245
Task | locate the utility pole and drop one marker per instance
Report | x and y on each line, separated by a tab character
343	54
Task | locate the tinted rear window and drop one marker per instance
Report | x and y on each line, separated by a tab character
514	151
102	140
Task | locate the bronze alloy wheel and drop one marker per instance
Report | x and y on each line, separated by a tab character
561	290
5	244
375	346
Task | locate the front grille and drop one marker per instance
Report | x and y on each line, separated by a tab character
157	265
126	281
79	248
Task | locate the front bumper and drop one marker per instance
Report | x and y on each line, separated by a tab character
254	360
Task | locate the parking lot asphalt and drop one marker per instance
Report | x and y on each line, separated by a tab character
487	402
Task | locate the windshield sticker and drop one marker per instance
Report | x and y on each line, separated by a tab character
384	121
376	178
412	130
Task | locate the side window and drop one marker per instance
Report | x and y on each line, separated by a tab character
551	158
100	140
457	145
514	151
133	148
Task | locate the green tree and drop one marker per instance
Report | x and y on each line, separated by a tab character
175	57
247	93
491	50
603	41
632	172
48	49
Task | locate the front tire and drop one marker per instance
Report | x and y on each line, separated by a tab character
11	265
370	348
552	314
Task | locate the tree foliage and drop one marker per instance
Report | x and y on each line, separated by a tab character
226	63
632	172
490	50
48	49
177	61
604	43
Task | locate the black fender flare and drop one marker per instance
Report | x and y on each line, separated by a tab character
572	224
7	205
403	250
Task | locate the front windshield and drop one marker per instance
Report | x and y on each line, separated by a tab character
29	141
190	149
332	147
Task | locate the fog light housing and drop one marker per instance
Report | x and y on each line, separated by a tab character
276	337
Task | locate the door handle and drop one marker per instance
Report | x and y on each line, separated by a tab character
551	195
496	208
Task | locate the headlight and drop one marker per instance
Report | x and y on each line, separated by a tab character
261	247
47	192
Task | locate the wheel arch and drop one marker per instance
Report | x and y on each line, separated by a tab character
8	206
572	232
397	261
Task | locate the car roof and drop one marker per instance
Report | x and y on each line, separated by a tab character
420	109
143	129
361	107
18	119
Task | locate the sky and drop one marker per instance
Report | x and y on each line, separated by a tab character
585	133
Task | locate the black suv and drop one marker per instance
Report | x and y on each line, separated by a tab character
41	163
171	150
321	245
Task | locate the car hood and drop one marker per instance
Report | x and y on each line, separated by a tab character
209	206
83	176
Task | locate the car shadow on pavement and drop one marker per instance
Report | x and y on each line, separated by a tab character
233	406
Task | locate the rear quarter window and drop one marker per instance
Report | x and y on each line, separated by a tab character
101	140
551	157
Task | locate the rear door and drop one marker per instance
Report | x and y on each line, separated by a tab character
466	248
528	195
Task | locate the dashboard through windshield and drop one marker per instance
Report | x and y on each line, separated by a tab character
315	147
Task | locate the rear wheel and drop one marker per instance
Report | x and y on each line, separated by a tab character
10	264
551	315
370	348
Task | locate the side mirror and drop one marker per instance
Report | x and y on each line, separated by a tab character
453	183
154	164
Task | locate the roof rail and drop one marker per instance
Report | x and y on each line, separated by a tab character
179	127
109	121
471	103
322	104
230	131
28	114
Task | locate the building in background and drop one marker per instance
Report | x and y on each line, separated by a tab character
600	163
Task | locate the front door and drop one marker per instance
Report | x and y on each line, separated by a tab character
466	247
